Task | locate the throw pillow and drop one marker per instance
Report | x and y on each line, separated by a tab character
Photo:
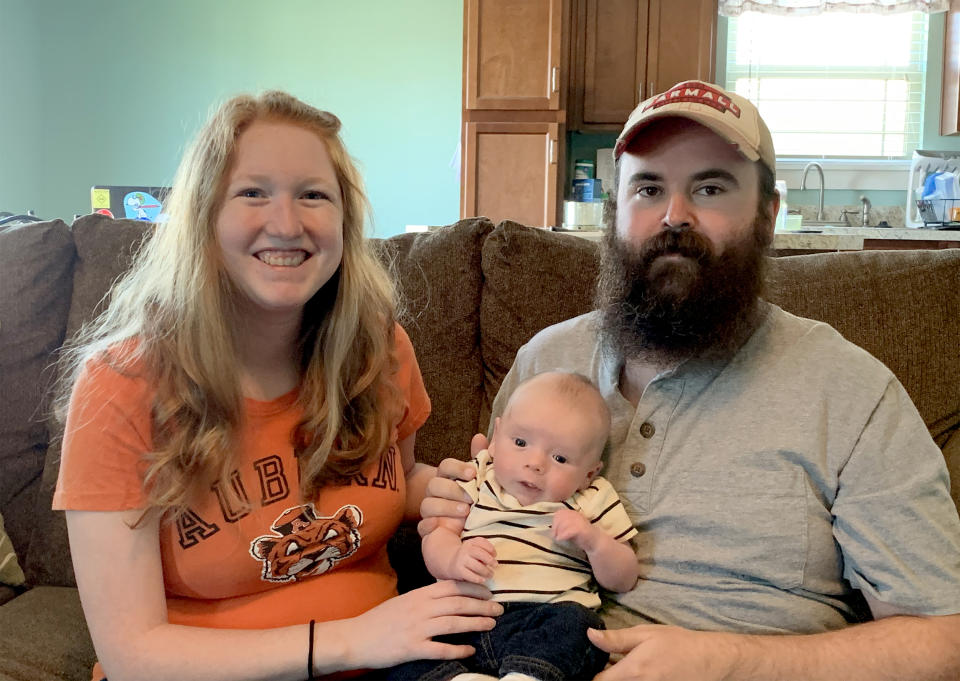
439	282
36	269
532	278
104	249
10	572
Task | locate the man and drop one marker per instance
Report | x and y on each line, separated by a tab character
783	484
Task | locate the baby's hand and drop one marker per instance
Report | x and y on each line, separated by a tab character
475	560
568	525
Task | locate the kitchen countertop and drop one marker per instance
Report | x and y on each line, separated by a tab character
831	238
852	238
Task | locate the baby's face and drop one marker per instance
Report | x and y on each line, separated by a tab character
544	448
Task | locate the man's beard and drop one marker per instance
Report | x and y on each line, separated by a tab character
665	309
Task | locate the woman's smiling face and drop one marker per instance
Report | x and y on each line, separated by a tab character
280	228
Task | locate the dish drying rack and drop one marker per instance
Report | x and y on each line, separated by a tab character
939	213
926	212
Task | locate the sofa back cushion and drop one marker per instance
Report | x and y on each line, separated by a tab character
36	263
902	306
104	249
532	278
439	279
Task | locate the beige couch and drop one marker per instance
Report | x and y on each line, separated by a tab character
473	293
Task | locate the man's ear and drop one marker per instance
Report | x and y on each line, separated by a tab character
774	209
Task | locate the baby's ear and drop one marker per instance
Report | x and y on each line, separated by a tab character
493	436
593	473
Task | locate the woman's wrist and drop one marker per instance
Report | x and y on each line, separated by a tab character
331	649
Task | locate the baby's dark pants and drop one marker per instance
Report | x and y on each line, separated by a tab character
547	641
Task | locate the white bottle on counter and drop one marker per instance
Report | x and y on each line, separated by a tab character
781	222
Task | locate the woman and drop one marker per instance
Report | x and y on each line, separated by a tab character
240	427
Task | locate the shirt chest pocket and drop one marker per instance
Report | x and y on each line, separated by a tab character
721	528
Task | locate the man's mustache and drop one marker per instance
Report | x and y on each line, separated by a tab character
672	241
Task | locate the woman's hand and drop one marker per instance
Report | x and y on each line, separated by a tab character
445	501
401	628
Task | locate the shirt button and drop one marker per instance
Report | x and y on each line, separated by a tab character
637	469
647	430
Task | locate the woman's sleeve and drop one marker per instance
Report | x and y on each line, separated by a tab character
410	382
107	433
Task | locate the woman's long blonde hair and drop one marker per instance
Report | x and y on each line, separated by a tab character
173	314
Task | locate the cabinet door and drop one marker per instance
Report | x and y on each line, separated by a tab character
682	43
615	58
512	51
510	172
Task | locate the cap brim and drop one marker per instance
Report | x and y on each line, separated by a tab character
727	132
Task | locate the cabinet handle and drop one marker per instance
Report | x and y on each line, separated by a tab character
640	93
651	89
554	76
553	151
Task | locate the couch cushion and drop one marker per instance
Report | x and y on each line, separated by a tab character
439	280
532	278
36	264
901	306
104	248
8	593
45	637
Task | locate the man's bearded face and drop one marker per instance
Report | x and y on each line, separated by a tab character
673	296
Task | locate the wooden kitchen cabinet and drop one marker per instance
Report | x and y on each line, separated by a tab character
533	69
512	54
950	110
627	50
511	171
514	98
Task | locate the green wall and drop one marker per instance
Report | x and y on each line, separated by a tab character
110	91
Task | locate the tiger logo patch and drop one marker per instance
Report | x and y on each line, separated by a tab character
306	545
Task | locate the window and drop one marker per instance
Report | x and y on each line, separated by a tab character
834	85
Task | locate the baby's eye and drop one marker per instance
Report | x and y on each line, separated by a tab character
315	195
251	193
559	458
519	442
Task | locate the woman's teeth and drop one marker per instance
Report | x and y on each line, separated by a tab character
282	258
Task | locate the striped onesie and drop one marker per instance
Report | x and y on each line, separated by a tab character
531	565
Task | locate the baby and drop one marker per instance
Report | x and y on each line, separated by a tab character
542	526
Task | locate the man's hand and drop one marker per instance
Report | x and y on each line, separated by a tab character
665	653
474	561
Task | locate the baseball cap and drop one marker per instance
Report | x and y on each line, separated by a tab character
731	116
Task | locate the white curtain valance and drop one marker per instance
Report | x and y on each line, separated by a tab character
733	8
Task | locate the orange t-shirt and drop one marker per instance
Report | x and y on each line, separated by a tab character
228	567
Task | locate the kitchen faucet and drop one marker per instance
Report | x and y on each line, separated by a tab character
864	211
803	185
